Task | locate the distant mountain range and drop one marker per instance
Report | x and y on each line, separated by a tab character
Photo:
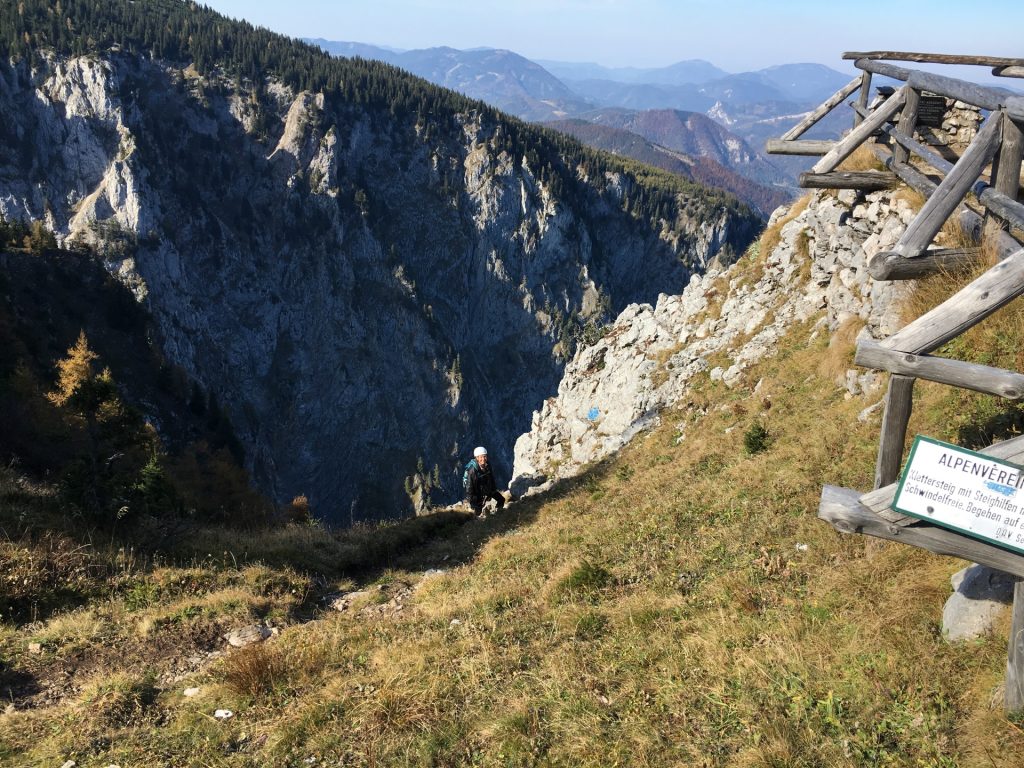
692	117
502	78
699	168
680	73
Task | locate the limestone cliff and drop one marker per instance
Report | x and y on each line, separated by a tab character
816	267
368	292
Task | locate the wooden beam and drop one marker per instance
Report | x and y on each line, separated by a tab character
862	100
955	373
1008	71
906	125
830	103
802	147
898	402
940	206
1003	204
858	135
840	508
934	159
1014	698
1015	107
880	500
1009	210
965	309
913	178
890	265
1005	243
936	58
950	87
870	181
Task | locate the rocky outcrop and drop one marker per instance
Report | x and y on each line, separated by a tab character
618	386
365	292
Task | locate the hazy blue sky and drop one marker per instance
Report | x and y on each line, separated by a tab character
736	35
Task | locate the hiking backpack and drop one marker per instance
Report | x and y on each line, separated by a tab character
465	474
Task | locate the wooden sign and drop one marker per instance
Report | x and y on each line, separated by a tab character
964	491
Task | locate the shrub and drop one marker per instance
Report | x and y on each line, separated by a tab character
299	510
756	439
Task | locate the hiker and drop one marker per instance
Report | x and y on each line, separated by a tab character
479	482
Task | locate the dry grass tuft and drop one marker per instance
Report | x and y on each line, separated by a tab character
256	670
862	159
771	237
910	196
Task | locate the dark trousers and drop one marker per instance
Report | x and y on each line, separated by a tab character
478	504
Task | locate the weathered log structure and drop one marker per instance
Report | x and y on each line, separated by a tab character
989	169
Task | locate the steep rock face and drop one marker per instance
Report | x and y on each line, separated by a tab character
367	295
617	387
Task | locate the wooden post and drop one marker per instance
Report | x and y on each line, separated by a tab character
922	230
907	123
865	95
898	402
1008	160
1006	167
1014	699
844	148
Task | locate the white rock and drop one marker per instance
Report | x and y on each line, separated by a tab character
254	633
223	714
190	692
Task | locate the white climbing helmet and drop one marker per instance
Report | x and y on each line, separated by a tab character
478	452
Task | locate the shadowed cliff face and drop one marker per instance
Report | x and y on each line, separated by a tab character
369	295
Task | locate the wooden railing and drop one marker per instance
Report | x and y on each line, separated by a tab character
989	169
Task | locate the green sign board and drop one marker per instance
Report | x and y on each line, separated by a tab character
964	491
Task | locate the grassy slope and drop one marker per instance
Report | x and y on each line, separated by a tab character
677	605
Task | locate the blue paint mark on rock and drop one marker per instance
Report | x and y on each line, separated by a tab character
593	413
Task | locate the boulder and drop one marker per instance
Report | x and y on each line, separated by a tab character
980	594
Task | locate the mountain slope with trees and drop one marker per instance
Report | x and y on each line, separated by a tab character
368	273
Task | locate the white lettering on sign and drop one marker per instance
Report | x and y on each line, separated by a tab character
965	491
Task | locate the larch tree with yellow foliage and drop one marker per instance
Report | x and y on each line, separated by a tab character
118	444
